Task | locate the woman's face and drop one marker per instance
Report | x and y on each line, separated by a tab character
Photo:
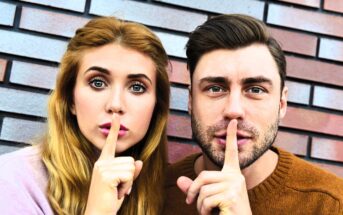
115	80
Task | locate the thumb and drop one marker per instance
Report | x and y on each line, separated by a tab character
138	168
184	183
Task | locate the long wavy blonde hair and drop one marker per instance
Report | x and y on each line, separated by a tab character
69	157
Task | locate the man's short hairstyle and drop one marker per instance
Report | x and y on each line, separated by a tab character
232	32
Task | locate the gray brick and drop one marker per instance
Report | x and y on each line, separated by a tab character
149	14
7	149
23	131
179	98
328	98
331	49
50	22
298	92
7	13
75	5
174	44
249	7
18	101
31	46
33	75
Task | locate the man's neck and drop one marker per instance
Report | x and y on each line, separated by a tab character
254	174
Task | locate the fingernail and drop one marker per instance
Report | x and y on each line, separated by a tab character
129	191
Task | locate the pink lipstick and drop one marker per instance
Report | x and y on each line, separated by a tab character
105	129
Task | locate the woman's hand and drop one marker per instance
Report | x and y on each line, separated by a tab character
112	177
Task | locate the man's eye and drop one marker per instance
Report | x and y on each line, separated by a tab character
256	90
138	87
97	83
215	89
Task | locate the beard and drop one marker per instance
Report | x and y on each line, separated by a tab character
262	141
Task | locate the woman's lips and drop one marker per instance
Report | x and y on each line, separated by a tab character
105	129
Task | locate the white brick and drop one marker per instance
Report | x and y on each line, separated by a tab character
298	92
179	98
7	13
75	5
174	44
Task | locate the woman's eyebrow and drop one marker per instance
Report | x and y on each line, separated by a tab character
99	69
139	75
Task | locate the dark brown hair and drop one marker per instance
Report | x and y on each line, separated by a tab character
232	32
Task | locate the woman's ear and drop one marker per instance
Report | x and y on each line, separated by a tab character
72	109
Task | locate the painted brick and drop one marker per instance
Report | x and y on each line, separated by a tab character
3	64
174	44
331	49
305	20
50	22
179	126
328	98
310	120
75	5
177	151
313	70
310	3
298	92
147	14
7	149
19	130
327	149
332	5
178	72
295	42
33	75
249	7
17	101
294	143
31	46
179	98
7	13
335	169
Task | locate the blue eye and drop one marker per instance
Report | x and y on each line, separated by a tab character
138	87
97	83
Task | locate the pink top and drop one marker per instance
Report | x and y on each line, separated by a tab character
23	181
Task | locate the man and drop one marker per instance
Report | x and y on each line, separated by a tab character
236	100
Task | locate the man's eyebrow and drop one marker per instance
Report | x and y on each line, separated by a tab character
256	80
139	75
215	79
99	69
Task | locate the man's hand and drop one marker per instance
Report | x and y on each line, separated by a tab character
224	190
112	176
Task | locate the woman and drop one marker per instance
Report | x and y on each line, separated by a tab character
104	152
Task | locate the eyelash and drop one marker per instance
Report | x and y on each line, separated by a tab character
140	84
97	79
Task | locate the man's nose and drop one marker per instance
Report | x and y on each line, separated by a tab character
234	108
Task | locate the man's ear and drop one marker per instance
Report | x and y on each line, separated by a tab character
283	102
189	99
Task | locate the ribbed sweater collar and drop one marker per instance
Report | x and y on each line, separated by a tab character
273	184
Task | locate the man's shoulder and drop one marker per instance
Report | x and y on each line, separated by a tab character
307	177
183	167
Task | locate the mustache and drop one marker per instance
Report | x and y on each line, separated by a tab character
242	125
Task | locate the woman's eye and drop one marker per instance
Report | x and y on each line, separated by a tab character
256	90
137	87
97	83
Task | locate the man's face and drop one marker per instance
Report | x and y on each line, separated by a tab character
242	84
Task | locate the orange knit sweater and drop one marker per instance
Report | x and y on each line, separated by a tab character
295	187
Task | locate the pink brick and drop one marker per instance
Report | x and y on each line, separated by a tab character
315	121
327	149
335	169
333	5
312	70
179	126
305	20
295	143
178	72
3	64
309	3
177	151
295	42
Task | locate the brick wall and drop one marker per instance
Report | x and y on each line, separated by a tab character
34	34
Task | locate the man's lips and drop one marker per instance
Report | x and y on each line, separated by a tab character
242	137
105	129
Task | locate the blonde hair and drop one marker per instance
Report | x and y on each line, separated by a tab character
69	157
